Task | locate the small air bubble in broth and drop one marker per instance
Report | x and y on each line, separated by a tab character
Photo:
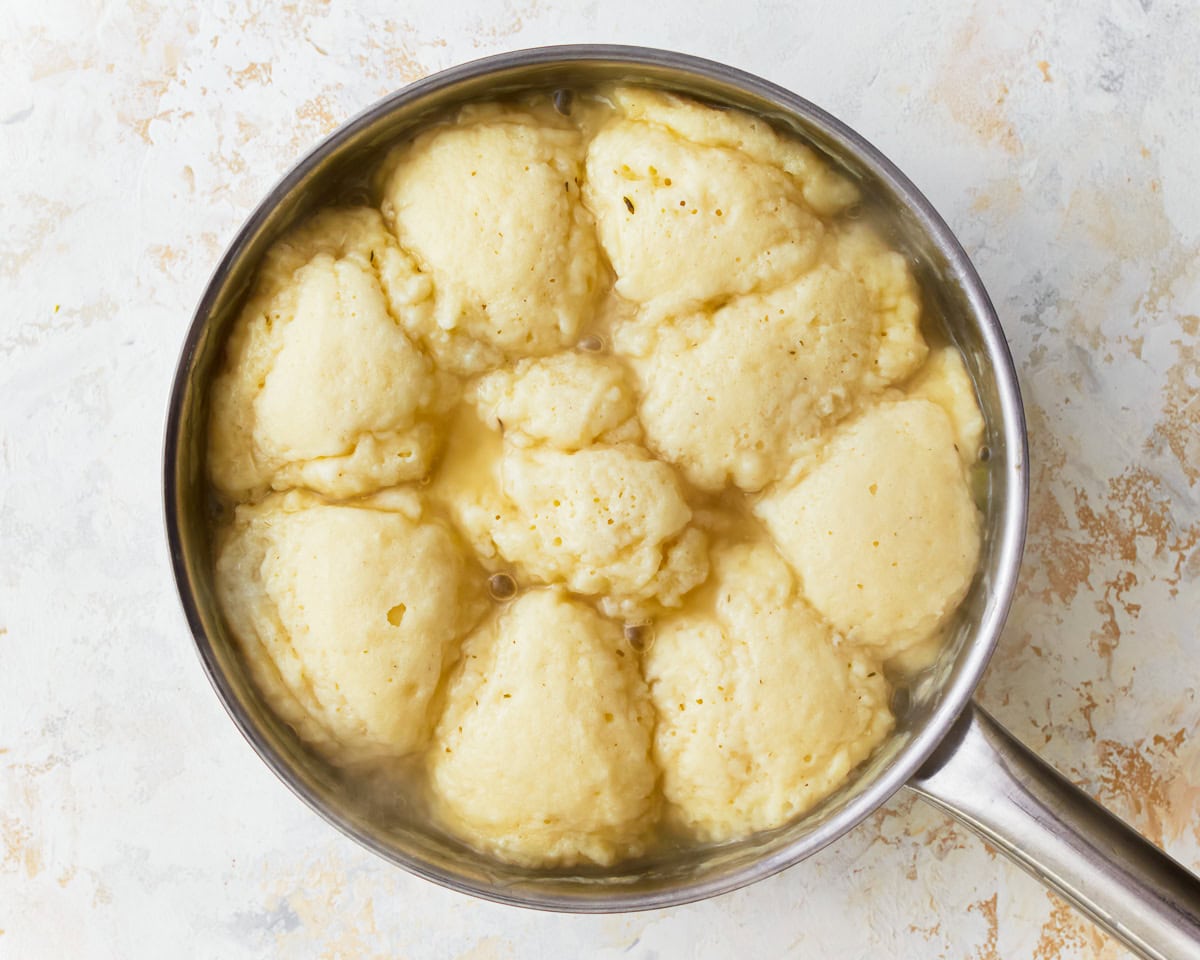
563	101
639	636
502	586
592	344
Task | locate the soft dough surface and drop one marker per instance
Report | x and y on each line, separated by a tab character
536	489
885	554
490	208
347	616
694	204
737	395
601	520
568	401
825	190
322	388
543	753
943	380
641	370
760	716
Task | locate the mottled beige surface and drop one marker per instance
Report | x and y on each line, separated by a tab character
567	401
772	371
285	412
1058	140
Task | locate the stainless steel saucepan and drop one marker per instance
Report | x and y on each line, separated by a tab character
944	746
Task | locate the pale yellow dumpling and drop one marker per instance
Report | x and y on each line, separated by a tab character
690	206
883	533
824	189
489	207
608	521
582	493
347	615
714	223
566	401
738	395
358	232
760	714
566	500
542	756
322	388
604	519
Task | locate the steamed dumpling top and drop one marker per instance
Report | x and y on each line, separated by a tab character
694	205
348	615
489	207
542	755
739	394
548	484
567	401
322	388
633	363
885	554
760	715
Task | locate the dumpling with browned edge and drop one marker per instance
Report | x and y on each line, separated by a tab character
883	532
347	615
322	388
542	756
490	208
760	715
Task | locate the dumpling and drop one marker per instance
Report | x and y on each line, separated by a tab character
604	520
542	756
695	204
490	208
943	380
534	489
347	615
825	190
886	554
567	401
760	715
737	395
322	388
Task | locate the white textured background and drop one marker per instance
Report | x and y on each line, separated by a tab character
1060	140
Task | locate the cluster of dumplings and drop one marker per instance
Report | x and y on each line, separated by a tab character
601	474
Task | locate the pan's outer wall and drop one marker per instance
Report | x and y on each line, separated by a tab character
950	286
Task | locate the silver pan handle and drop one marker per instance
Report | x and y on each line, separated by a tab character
995	785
